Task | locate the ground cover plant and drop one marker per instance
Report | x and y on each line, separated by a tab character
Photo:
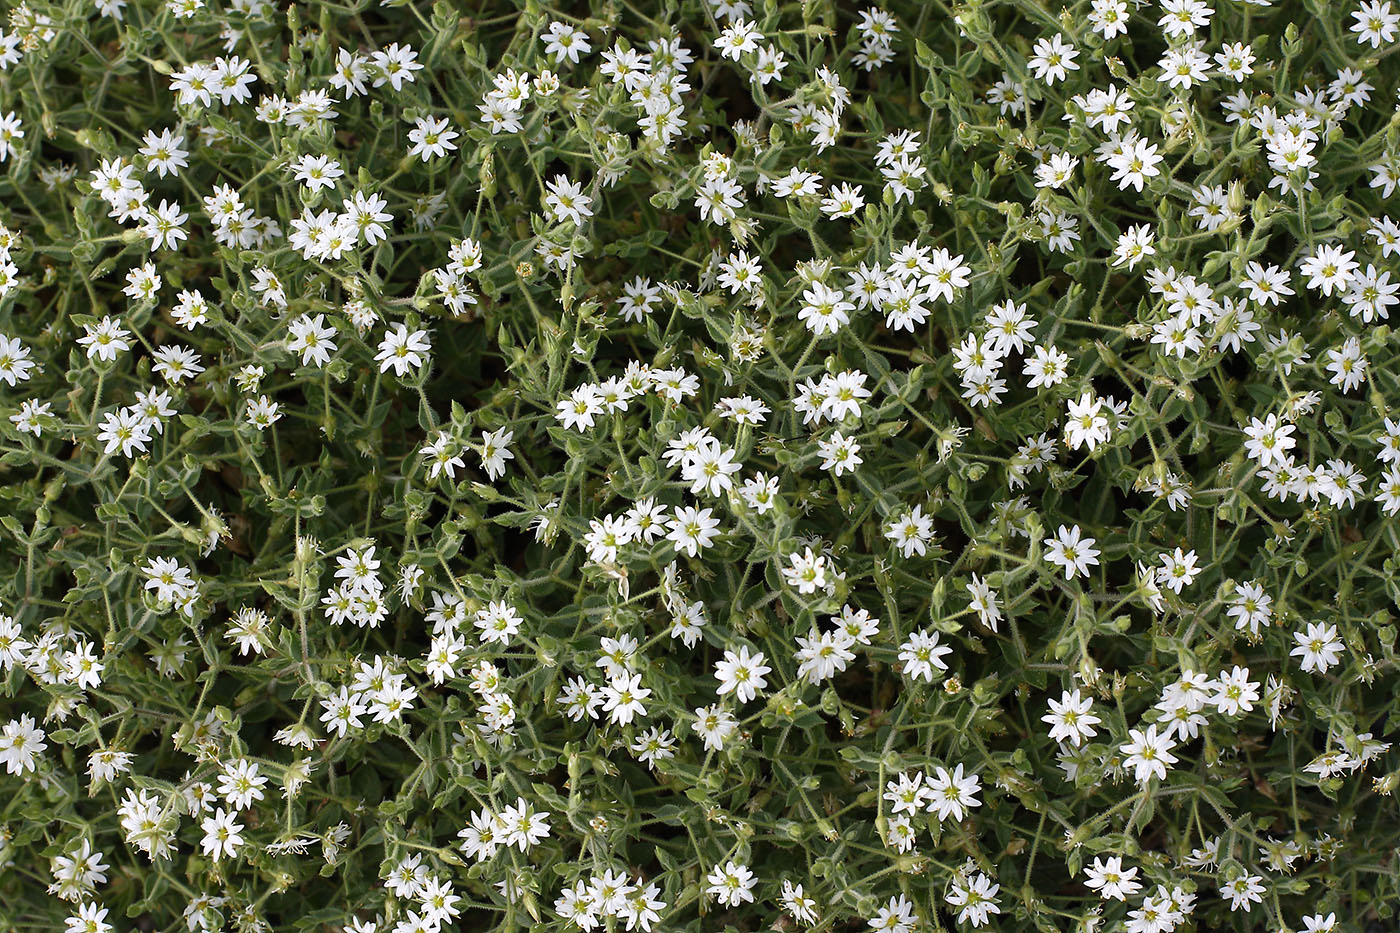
699	465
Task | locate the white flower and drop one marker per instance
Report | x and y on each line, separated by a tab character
1071	718
1047	368
126	430
976	895
1086	424
317	172
566	201
622	698
263	412
90	918
1347	365
1388	491
565	42
802	907
1265	285
921	654
839	453
842	201
15	364
495	451
741	674
1111	879
222	835
711	469
806	571
714	725
1134	163
984	601
824	309
1051	59
1184	67
1056	171
946	275
1375	23
1250	607
912	532
1268	441
11	131
952	794
402	350
395	65
498	621
176	364
1317	923
105	339
522	826
312	339
1244	891
731	884
579	409
343	711
1330	268
1318	647
1178	570
737	38
84	669
162	226
1148	753
241	784
908	794
897	916
1235	692
1134	245
21	742
1371	295
692	530
170	581
431	137
1075	554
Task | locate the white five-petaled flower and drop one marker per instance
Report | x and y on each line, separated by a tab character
741	673
21	742
1072	552
1268	441
1086	423
222	834
1052	59
840	454
126	430
317	172
952	793
921	654
313	339
825	310
692	530
105	339
1148	753
731	884
402	350
622	698
431	136
1111	879
1318	647
975	895
1070	718
566	201
1178	569
912	532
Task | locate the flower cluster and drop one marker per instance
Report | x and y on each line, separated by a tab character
701	464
